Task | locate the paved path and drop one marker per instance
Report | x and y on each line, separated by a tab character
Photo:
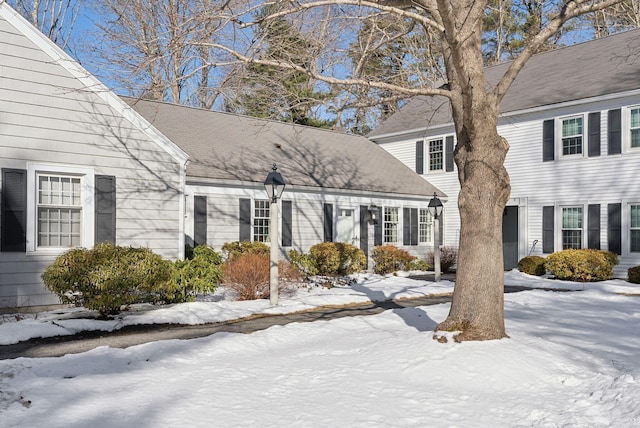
138	334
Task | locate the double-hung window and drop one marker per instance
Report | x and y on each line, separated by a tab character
634	225
261	221
59	210
425	226
572	228
390	225
634	127
572	136
436	155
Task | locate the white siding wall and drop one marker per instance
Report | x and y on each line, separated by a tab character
48	117
568	180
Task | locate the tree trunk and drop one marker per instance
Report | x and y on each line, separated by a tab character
477	310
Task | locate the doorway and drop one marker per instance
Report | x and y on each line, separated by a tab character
345	226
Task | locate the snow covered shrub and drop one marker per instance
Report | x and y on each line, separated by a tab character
633	274
585	265
532	265
231	250
448	258
199	274
108	276
248	276
389	258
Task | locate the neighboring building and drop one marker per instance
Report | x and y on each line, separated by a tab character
572	119
334	182
78	166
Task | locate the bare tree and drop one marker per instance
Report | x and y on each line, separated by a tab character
54	18
477	310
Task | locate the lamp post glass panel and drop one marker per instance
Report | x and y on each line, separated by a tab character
274	185
435	209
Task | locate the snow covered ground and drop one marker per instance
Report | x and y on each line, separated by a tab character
572	360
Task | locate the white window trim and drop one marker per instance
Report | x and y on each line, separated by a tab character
626	228
399	225
558	223
253	219
432	227
87	183
558	137
626	129
443	150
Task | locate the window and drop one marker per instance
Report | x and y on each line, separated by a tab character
425	224
390	225
635	127
572	136
261	221
59	211
635	228
435	155
572	228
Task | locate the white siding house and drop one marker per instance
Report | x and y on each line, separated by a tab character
333	181
78	166
572	119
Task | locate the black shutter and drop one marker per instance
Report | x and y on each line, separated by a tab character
414	226
245	220
614	229
328	222
594	134
199	220
105	209
377	230
406	226
614	125
287	222
13	215
548	140
364	229
449	153
420	157
548	227
593	233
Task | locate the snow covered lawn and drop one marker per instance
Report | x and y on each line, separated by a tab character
572	360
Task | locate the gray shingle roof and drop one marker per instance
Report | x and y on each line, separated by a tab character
599	67
223	146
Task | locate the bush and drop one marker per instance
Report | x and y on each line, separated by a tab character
287	272
352	258
326	258
248	276
611	257
199	274
388	258
633	274
583	265
418	264
448	258
108	276
533	265
329	259
232	250
303	263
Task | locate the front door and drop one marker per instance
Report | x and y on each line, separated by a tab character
510	237
345	227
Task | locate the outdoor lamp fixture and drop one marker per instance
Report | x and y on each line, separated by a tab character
274	185
372	212
435	209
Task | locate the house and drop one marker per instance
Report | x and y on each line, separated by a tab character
339	187
78	166
572	119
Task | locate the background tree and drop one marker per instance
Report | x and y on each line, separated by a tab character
477	310
55	18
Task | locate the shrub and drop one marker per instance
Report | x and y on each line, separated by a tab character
584	265
448	258
287	272
303	263
533	265
611	257
248	276
633	274
329	259
198	275
388	258
352	258
326	258
232	250
108	276
419	264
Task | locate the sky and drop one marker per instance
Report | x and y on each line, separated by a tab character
571	361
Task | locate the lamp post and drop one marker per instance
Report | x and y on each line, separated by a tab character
274	185
435	209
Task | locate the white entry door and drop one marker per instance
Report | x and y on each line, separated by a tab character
345	227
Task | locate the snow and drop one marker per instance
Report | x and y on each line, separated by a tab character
571	361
